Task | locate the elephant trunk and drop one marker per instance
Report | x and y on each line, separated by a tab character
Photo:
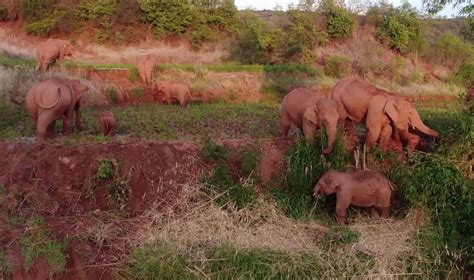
331	131
416	122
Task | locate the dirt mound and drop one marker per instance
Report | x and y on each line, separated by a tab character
97	195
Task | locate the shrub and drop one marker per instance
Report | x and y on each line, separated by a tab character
339	22
102	12
401	29
170	17
3	12
337	66
37	9
46	25
451	51
465	75
112	95
213	151
302	35
256	42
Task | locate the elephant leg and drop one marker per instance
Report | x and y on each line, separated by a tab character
44	122
50	132
341	210
374	128
384	211
285	123
374	212
385	135
78	113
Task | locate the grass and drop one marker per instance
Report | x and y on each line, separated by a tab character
164	261
39	243
117	186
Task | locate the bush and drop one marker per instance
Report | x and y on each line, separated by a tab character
256	42
450	51
337	66
3	12
170	17
46	25
302	35
401	29
102	12
465	75
339	22
37	9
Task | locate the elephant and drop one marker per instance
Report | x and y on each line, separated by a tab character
108	123
308	110
362	188
53	99
51	50
174	91
383	111
146	65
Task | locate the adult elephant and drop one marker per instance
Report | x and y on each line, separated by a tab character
51	50
145	66
54	99
309	110
357	100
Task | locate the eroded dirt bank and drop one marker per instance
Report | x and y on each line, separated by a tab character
72	189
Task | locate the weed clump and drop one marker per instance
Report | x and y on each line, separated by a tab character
338	66
213	151
41	243
108	172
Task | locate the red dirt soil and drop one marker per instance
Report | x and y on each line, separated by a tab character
59	183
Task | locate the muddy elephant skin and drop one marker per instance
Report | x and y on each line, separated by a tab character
145	65
51	50
382	111
362	188
309	110
53	99
174	91
108	123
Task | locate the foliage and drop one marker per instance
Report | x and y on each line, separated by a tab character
213	151
170	17
108	172
3	12
5	263
39	242
112	95
465	75
451	51
256	41
222	182
37	9
249	158
339	22
302	35
102	12
401	29
337	66
46	25
340	236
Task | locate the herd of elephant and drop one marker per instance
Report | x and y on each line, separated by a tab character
388	118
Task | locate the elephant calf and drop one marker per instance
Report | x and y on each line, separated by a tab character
362	188
309	110
108	123
174	91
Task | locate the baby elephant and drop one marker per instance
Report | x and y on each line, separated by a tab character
362	188
108	123
174	91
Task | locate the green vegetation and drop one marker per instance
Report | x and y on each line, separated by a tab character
108	173
337	66
401	29
163	261
46	25
3	12
39	242
339	22
339	236
5	263
213	151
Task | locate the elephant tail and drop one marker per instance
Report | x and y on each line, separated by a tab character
58	95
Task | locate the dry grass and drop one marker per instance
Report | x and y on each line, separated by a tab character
437	89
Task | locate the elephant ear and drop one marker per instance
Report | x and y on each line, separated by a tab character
311	115
391	109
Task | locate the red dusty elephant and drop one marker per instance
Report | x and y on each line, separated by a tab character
108	123
51	50
146	65
54	99
174	91
362	188
383	111
308	110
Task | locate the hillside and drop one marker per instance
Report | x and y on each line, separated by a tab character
213	191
